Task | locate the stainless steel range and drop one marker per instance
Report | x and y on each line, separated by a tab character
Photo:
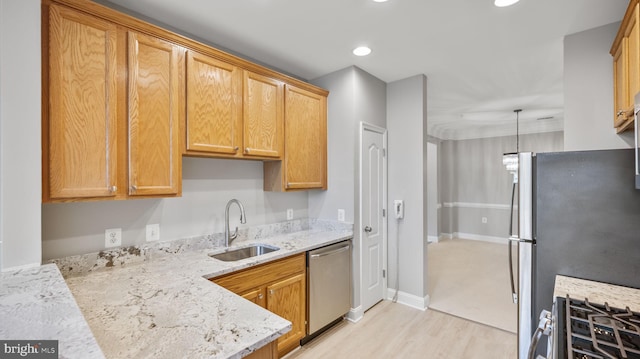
585	330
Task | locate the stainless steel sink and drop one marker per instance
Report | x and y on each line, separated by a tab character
243	253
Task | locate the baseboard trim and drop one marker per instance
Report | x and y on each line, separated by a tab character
433	239
475	237
355	314
478	205
410	300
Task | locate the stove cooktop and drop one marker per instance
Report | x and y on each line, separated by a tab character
597	330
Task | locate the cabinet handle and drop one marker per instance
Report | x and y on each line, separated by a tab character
236	148
620	112
272	292
113	189
288	184
134	188
247	150
260	296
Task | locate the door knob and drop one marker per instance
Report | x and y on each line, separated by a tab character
367	229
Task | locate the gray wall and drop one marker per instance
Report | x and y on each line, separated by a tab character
475	184
354	96
20	117
588	91
76	228
407	142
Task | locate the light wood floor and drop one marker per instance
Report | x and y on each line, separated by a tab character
391	330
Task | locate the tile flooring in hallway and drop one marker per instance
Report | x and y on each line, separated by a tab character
391	330
470	279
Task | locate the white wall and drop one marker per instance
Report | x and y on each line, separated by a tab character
432	192
20	168
407	141
588	91
354	96
207	186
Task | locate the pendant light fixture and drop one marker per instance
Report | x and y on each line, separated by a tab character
510	160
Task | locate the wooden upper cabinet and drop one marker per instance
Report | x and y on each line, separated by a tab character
156	69
263	116
626	67
79	135
214	106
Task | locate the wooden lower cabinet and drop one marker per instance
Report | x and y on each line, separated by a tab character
278	286
269	351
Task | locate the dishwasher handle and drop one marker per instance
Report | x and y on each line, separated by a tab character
338	250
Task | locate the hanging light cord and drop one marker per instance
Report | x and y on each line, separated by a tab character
517	129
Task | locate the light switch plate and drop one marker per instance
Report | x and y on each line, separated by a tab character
341	215
112	237
289	213
153	232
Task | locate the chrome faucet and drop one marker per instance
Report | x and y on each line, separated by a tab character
228	238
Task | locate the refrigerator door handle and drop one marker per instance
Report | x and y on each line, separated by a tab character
514	294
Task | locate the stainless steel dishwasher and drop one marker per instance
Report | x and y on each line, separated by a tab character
329	286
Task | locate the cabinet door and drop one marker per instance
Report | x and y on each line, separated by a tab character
286	298
155	70
620	84
632	34
306	139
256	296
81	121
214	105
263	116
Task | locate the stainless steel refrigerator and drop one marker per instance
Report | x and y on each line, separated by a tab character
578	216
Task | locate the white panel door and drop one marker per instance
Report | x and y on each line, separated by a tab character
372	219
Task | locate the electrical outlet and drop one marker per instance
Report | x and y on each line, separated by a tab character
112	237
341	215
289	213
153	232
484	220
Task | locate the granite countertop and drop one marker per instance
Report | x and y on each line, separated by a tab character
164	306
597	292
36	304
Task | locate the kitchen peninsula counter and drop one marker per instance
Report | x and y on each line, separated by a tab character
165	307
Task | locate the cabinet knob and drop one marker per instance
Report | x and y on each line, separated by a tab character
272	292
247	150
288	184
134	188
260	296
113	189
236	148
620	112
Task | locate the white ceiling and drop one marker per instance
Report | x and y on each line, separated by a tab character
480	60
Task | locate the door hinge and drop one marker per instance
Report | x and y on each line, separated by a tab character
384	212
384	152
384	273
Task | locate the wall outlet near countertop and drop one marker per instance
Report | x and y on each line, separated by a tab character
484	220
289	213
341	215
153	232
113	237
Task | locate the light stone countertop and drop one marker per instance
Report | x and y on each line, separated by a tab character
617	296
36	304
165	307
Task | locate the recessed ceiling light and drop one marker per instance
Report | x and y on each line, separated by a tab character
380	0
361	51
503	3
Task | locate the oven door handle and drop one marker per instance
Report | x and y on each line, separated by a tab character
544	328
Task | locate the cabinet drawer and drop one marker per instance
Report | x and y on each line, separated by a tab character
257	276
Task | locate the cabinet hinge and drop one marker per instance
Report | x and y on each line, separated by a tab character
384	273
384	212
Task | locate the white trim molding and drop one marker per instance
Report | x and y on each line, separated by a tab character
409	300
355	314
433	239
478	205
475	237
